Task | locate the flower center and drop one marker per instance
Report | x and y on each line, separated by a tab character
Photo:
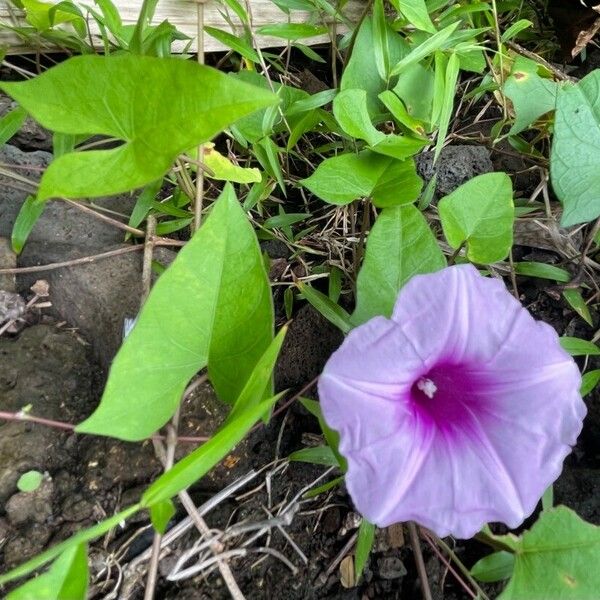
448	395
427	387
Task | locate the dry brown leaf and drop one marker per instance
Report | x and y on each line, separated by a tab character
347	572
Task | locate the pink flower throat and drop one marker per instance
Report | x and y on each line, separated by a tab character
449	395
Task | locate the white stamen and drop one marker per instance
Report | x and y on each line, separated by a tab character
427	387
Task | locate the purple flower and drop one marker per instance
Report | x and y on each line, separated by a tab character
458	411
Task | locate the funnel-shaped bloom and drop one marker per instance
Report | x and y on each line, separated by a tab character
458	411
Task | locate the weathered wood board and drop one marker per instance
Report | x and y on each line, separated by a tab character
182	14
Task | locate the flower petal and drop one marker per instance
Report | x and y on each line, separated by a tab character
458	411
456	313
367	377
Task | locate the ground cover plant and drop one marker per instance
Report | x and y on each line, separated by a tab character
449	410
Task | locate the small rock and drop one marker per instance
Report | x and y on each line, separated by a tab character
77	510
351	522
455	166
12	306
275	249
31	507
18	549
391	567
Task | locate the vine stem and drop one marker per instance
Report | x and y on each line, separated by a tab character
199	202
22	416
157	241
416	546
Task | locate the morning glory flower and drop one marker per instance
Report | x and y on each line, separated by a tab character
457	411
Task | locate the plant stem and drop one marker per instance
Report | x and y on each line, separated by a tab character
199	202
416	546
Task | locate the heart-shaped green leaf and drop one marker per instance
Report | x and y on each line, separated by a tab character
480	214
211	306
159	108
555	559
575	158
399	246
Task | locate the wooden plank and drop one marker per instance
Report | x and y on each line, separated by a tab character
182	14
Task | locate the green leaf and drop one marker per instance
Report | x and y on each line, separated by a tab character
399	146
416	12
63	143
103	95
293	31
43	15
447	105
380	40
29	213
332	437
323	488
428	47
144	19
399	184
364	545
575	157
224	170
239	10
399	246
212	305
333	312
160	515
548	498
80	538
309	104
319	455
239	44
532	96
144	203
415	88
347	177
10	123
66	579
577	303
350	111
514	30
112	18
555	559
543	271
401	114
578	347
30	481
266	152
495	567
589	381
284	220
480	214
200	461
260	379
361	70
